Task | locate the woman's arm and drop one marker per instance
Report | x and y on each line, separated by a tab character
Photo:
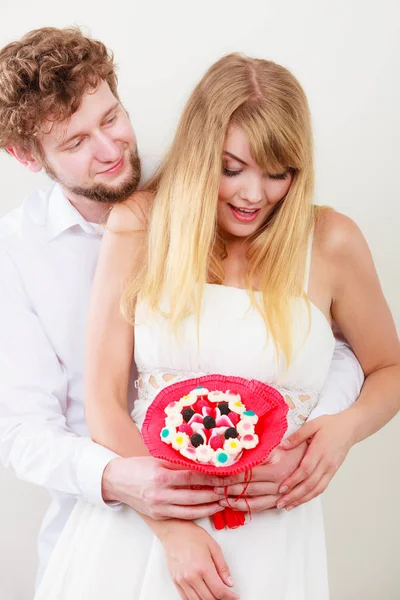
361	311
109	354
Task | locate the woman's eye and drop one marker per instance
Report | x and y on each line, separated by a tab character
230	173
278	175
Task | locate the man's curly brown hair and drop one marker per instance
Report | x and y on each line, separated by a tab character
43	78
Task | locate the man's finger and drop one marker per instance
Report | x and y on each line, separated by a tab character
189	478
255	504
189	513
258	488
187	497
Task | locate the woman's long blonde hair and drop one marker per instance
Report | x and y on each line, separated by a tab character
185	250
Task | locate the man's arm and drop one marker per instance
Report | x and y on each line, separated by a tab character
35	440
37	444
344	382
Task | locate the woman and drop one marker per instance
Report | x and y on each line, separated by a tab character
231	270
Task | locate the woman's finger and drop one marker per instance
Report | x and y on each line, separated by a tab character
181	592
317	491
189	591
304	487
306	468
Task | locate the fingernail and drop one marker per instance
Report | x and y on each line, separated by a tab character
230	580
280	505
219	490
285	444
289	508
283	489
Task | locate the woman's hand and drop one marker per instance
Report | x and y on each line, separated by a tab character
330	438
262	493
195	562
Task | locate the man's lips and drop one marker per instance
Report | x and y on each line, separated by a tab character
244	215
117	167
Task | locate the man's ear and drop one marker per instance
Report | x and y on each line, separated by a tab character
25	158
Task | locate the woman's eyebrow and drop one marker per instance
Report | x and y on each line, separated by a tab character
235	158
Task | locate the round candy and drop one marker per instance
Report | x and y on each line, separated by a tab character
217	441
209	422
250	415
197	440
200	404
236	405
216	396
185	428
172	408
187	400
244	427
224	408
220	458
249	441
188	452
232	446
165	434
199	391
181	440
174	420
231	432
187	414
204	453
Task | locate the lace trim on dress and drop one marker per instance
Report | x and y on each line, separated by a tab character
300	402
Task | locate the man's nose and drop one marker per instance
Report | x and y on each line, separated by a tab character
106	149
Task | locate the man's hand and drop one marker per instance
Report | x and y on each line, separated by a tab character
160	489
262	492
330	438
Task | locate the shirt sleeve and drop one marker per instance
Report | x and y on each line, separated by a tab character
344	382
35	440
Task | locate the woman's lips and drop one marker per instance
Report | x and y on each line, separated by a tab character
242	215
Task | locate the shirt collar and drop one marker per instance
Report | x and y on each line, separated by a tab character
61	216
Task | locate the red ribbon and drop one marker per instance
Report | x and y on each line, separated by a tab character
229	517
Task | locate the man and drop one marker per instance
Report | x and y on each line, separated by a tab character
59	110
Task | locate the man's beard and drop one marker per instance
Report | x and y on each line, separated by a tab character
99	192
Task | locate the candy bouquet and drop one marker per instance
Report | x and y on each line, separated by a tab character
218	425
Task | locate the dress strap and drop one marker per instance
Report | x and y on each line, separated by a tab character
308	260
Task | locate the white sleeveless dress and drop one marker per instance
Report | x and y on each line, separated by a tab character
277	555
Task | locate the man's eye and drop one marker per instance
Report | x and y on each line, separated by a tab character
111	120
77	145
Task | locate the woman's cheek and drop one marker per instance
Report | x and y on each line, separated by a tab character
225	191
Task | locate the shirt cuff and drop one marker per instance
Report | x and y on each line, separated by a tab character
90	471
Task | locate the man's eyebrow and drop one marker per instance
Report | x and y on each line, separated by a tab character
235	158
78	135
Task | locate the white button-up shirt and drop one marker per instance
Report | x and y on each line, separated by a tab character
48	255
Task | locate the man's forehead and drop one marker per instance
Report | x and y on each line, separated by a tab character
95	104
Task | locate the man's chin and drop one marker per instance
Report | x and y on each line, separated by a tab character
107	193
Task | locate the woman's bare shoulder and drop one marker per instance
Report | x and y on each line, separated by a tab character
131	214
337	236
